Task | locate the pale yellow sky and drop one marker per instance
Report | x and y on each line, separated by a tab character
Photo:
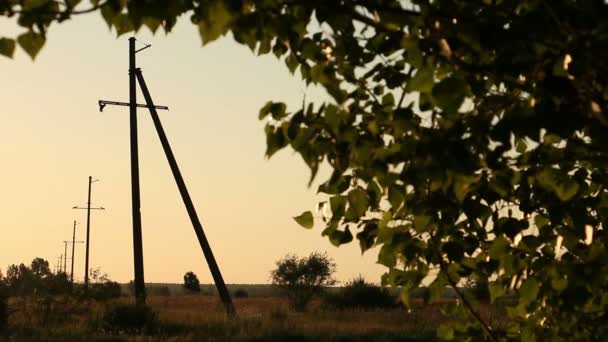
52	137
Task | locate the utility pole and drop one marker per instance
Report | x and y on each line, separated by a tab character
134	73
138	251
65	258
183	190
74	242
88	208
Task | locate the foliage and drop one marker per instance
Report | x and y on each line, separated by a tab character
302	278
191	282
4	309
37	279
163	291
101	287
130	319
465	138
241	293
105	291
478	288
359	294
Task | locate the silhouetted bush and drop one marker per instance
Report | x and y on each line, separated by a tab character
191	282
240	293
3	308
163	291
302	278
358	293
105	291
131	319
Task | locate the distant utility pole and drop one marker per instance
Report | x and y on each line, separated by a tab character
88	208
74	242
65	258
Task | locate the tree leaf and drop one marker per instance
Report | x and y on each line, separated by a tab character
305	220
557	182
31	42
422	81
449	93
528	290
7	47
215	22
445	332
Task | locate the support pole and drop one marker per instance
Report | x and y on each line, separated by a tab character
65	259
181	185
86	260
138	258
73	246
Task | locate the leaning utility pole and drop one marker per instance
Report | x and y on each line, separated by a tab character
88	208
134	73
183	190
74	242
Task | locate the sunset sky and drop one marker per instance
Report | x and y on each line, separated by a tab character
52	137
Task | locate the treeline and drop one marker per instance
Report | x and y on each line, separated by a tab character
37	279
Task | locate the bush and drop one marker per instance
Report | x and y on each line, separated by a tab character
3	309
105	291
302	278
128	318
360	294
162	291
241	293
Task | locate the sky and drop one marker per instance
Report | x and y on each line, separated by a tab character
53	137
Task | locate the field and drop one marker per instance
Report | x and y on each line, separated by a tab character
197	317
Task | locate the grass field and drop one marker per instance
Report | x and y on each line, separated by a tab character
197	318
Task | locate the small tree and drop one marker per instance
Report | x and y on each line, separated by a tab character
303	278
191	282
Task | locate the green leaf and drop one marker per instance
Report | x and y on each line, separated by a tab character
123	24
33	4
337	237
337	205
7	47
215	22
31	42
358	200
540	221
449	93
421	223
549	139
497	290
422	81
305	220
557	182
528	290
445	332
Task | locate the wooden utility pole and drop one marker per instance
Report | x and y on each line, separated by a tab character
183	190
88	208
135	73
65	258
74	242
138	250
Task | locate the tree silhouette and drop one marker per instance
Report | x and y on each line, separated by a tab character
466	139
191	282
303	278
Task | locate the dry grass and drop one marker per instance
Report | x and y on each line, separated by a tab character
202	317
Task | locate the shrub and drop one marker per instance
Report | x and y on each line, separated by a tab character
4	312
105	291
128	318
301	279
241	293
358	293
191	282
